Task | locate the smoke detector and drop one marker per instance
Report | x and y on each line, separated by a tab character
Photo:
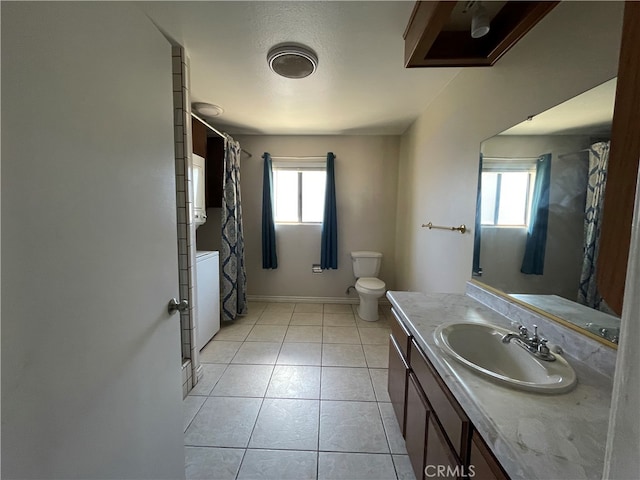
207	109
292	61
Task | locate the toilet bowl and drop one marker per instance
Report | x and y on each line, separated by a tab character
370	289
366	266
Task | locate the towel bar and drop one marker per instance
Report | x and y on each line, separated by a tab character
462	228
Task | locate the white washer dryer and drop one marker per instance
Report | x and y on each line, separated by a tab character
208	296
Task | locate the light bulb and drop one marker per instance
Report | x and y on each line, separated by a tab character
480	22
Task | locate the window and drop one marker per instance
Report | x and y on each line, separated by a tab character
299	191
507	188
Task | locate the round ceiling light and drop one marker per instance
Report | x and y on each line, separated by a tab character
292	61
208	109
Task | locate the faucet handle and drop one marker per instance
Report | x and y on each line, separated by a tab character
542	347
523	331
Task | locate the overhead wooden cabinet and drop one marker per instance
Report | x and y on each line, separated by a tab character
210	146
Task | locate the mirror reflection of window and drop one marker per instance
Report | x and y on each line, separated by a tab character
506	194
570	133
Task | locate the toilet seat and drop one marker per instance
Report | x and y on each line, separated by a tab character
370	285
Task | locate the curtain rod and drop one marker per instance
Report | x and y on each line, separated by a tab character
324	157
573	153
509	158
215	130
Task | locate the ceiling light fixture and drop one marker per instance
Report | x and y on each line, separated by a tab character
292	61
479	21
208	109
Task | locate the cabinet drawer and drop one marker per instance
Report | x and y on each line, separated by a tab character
441	462
401	335
452	418
482	461
397	383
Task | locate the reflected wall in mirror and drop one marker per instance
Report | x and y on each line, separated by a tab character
540	197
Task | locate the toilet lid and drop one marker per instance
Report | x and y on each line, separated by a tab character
371	283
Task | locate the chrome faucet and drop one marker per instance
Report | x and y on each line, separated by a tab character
535	345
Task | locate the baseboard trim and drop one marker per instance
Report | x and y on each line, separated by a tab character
296	299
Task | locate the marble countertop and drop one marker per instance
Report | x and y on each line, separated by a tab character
534	436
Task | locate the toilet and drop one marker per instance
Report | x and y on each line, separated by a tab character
366	266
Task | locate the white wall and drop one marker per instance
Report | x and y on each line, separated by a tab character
366	182
621	458
502	249
572	50
90	357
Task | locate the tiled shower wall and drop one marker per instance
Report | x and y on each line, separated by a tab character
186	227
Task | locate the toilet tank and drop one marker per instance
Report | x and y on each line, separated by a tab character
366	264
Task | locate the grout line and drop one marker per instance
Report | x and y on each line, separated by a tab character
206	398
319	399
319	406
259	410
244	454
296	450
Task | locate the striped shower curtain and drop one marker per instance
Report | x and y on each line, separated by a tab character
234	279
598	160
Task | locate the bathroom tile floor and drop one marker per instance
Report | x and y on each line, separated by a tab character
295	391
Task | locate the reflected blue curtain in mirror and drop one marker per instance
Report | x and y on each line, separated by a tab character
533	261
329	240
269	255
477	233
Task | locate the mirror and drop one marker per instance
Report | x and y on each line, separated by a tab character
540	196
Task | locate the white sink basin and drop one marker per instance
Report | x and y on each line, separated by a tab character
479	347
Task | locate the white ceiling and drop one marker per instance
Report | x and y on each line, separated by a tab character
361	86
590	113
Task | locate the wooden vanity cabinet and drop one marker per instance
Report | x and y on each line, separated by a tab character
485	465
399	344
429	442
441	461
397	383
438	434
417	415
401	335
450	415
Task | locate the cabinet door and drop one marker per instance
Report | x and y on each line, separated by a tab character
397	383
215	171
450	415
441	461
401	335
416	426
482	463
199	137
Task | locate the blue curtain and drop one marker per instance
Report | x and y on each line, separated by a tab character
598	160
533	261
477	233
329	241
234	278
269	255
